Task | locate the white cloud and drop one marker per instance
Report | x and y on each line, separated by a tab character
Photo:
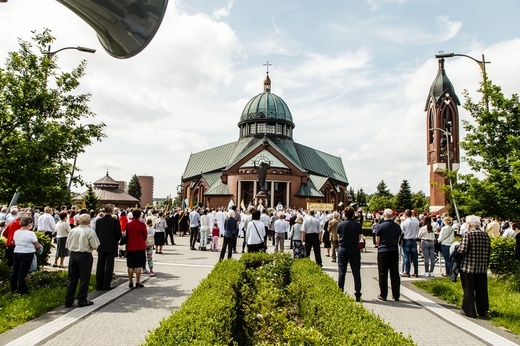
223	12
355	80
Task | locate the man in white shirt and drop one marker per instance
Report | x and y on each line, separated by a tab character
410	228
46	222
194	226
507	231
81	241
280	230
311	236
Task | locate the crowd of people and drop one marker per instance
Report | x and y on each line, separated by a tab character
137	234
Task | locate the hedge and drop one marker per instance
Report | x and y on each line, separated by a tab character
209	316
272	299
502	261
340	320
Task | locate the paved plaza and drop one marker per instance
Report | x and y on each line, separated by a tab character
124	317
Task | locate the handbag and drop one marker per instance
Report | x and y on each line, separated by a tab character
264	246
34	264
123	240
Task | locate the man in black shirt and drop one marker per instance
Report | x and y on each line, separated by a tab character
387	239
349	234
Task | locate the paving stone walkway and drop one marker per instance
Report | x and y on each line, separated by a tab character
125	317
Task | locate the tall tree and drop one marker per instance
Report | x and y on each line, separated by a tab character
40	124
382	190
361	197
134	188
492	146
90	199
403	199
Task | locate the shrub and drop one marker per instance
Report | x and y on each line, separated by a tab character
272	300
46	243
318	295
209	316
502	262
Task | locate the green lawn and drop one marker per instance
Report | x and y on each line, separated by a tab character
47	292
504	301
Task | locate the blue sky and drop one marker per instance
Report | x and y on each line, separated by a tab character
355	75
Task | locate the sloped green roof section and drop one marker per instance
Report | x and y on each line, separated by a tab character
313	186
212	178
321	163
303	157
218	189
209	160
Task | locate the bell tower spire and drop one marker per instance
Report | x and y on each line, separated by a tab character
442	136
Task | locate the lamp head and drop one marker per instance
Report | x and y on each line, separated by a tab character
444	55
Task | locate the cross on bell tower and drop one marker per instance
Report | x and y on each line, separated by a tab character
442	136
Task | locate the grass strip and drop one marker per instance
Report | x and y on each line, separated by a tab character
504	302
46	292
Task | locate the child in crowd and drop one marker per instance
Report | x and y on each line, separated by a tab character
150	240
215	232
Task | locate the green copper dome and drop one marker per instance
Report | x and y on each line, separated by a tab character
266	107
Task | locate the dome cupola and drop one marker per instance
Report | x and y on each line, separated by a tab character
266	114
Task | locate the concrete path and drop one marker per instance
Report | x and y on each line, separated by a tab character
125	317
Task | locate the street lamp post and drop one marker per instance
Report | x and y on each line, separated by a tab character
50	54
481	63
447	135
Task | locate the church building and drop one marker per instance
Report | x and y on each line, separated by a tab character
265	166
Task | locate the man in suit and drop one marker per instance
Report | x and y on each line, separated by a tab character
108	231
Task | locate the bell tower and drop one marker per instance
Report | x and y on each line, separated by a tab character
442	136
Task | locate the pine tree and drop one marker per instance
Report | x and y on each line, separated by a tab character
361	198
134	188
382	190
403	199
90	199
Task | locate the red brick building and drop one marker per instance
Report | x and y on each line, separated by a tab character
293	174
146	183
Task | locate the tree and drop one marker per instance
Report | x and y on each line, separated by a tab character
134	188
403	199
361	197
377	203
40	125
353	195
90	199
420	202
382	190
492	146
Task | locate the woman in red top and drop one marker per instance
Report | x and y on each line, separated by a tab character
136	234
123	220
